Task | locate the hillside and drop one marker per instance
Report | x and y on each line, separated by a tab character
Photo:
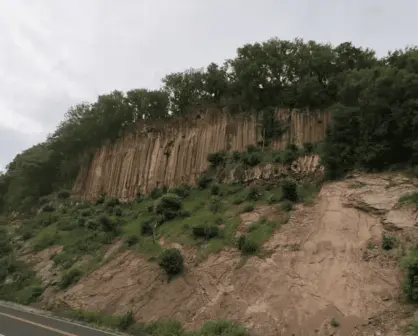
275	194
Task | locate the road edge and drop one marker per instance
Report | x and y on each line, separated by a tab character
50	315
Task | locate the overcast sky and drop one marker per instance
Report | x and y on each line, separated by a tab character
55	53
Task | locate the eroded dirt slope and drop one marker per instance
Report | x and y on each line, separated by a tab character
318	267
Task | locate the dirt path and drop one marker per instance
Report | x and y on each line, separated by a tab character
320	273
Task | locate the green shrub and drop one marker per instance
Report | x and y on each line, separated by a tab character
86	212
69	278
111	202
222	328
183	191
169	206
215	204
171	261
216	158
248	207
92	224
64	194
215	189
290	153
308	147
236	156
238	200
147	227
251	159
203	181
126	320
252	148
253	226
388	242
206	231
107	224
156	193
48	208
410	264
290	190
247	245
253	194
286	206
117	210
131	240
184	213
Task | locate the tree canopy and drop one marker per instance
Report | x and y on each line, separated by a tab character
375	119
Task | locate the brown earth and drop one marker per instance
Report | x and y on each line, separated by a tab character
319	267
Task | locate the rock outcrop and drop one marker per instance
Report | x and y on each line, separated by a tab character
176	153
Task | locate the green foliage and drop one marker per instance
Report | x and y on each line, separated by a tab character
335	323
222	328
206	231
69	278
290	190
286	206
171	261
388	242
410	264
247	245
169	206
203	181
216	159
247	207
183	191
215	189
64	194
411	198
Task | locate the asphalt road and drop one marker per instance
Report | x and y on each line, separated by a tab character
15	322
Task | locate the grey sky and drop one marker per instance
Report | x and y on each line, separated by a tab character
55	53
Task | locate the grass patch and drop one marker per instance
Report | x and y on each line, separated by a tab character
411	198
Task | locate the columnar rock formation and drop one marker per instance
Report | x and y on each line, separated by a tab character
171	154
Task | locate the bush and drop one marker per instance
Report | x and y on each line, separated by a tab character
183	191
48	208
126	320
252	149
69	278
253	194
290	153
388	242
156	193
410	264
286	206
117	210
206	231
223	328
131	240
147	227
107	223
171	261
215	189
64	194
215	204
289	190
236	156
308	147
247	245
248	207
251	159
168	206
203	181
216	158
111	202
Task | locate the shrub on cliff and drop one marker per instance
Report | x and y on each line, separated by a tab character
207	231
247	245
410	265
69	278
169	206
203	180
289	190
216	159
63	194
171	261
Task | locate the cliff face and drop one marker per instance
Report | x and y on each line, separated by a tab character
173	154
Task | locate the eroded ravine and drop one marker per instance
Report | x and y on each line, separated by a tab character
316	269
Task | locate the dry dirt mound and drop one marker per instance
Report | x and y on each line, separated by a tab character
316	280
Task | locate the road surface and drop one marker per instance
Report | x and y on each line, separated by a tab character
14	322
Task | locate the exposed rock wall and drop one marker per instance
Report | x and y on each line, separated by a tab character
172	154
